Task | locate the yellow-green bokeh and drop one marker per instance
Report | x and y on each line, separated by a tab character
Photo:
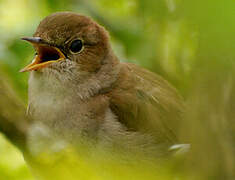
189	42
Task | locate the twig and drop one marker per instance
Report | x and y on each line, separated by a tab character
13	121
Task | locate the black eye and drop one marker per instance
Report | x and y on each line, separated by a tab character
76	46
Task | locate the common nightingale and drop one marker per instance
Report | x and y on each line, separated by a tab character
80	94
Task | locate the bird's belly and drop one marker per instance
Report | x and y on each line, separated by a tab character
50	128
64	115
51	110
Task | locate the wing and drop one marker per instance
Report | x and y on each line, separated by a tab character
143	101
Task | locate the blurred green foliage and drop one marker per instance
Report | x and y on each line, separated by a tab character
191	43
12	165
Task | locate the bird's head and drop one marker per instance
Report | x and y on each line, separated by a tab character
66	42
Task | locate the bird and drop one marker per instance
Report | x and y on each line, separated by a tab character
81	94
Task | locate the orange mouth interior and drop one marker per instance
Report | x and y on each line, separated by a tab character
45	55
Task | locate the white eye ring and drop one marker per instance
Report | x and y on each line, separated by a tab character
76	46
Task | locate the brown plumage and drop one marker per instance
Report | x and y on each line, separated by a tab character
145	102
80	92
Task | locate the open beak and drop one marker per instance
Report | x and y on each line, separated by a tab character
46	54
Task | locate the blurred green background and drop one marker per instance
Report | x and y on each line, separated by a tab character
191	43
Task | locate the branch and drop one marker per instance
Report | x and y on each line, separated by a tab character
13	121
